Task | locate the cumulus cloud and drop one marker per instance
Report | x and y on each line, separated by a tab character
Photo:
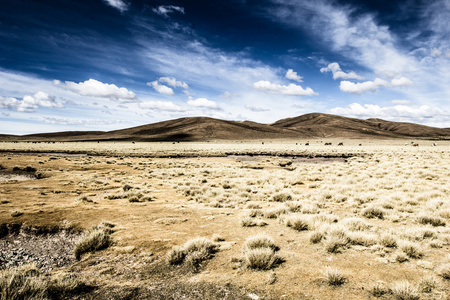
335	69
372	86
160	88
362	87
202	102
165	10
291	89
160	105
95	88
421	114
401	102
290	74
119	4
173	82
29	103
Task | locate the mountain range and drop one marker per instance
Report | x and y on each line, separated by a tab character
308	126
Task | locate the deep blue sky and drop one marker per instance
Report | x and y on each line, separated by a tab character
110	64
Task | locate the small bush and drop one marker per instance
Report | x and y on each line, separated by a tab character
334	277
281	197
362	239
444	271
434	221
261	258
176	255
297	222
275	212
193	252
260	241
94	240
334	244
250	222
373	212
428	284
316	237
387	240
379	289
412	250
294	206
356	224
403	290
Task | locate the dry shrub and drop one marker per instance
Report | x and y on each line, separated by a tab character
275	212
387	240
281	197
96	239
356	224
26	282
362	239
444	271
428	284
427	219
379	289
411	249
334	277
297	222
294	206
373	212
259	253
316	236
193	252
248	221
403	290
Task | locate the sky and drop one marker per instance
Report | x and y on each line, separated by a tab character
70	65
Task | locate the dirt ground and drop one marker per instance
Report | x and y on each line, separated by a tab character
158	203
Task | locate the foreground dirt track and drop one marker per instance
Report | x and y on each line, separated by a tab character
384	205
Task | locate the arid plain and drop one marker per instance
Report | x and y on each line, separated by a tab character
221	220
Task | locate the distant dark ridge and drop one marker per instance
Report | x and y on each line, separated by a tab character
309	126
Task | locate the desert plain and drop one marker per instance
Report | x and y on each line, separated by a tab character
225	220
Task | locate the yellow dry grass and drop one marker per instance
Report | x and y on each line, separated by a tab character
380	215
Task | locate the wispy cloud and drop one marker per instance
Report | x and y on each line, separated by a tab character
173	82
95	88
165	10
161	106
77	121
119	4
291	89
372	86
161	88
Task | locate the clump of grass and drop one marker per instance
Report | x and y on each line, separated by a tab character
193	252
96	239
275	212
260	241
428	284
387	240
356	224
297	222
403	290
432	220
362	239
444	271
26	282
411	249
294	206
334	277
372	212
281	197
259	253
379	289
248	221
316	236
336	239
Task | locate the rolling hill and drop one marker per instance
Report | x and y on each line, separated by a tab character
309	126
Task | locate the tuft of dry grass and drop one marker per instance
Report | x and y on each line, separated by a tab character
372	212
259	253
193	252
403	290
432	220
297	222
334	277
94	240
411	249
444	271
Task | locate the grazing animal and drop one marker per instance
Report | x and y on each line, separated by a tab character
434	144
360	145
415	145
307	144
328	144
341	144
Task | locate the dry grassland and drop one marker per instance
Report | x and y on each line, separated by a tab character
210	221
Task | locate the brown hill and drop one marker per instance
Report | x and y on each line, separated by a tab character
307	126
330	126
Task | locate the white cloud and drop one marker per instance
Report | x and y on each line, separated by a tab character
119	4
290	74
29	103
165	10
160	88
291	89
339	74
160	105
70	121
173	82
402	81
256	109
202	102
435	52
362	87
424	114
95	88
401	102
